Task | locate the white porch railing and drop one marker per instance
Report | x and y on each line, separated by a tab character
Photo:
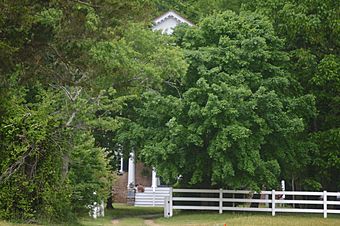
267	201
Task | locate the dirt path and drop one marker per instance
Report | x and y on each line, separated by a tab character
150	223
115	221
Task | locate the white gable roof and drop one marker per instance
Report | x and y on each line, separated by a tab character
168	21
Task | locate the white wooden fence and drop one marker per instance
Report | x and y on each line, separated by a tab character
267	201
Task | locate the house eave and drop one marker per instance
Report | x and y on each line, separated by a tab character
172	14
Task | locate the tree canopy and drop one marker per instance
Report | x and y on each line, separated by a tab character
242	99
311	33
68	68
234	112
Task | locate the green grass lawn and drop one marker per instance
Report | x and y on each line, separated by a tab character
124	215
248	219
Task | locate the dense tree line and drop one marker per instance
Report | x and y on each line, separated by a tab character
247	97
67	70
311	33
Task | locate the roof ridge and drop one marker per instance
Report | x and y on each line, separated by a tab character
169	13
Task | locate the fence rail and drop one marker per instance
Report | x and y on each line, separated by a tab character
242	200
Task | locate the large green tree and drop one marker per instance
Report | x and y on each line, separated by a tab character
231	121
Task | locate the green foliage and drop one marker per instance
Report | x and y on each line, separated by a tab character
224	103
47	119
88	172
141	60
326	164
30	152
304	24
48	169
311	31
68	70
234	113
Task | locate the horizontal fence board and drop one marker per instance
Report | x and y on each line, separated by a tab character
333	211
195	199
149	203
195	207
149	200
176	190
246	192
237	192
248	200
149	195
162	202
298	193
152	193
247	209
195	190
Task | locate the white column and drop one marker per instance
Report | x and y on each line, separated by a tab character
283	187
131	170
154	179
121	164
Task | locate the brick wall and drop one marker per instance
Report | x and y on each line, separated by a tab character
143	176
119	189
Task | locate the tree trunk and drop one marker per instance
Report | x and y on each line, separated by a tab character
109	202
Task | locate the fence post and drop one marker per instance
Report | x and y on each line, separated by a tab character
233	198
324	204
166	206
273	202
221	201
171	202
